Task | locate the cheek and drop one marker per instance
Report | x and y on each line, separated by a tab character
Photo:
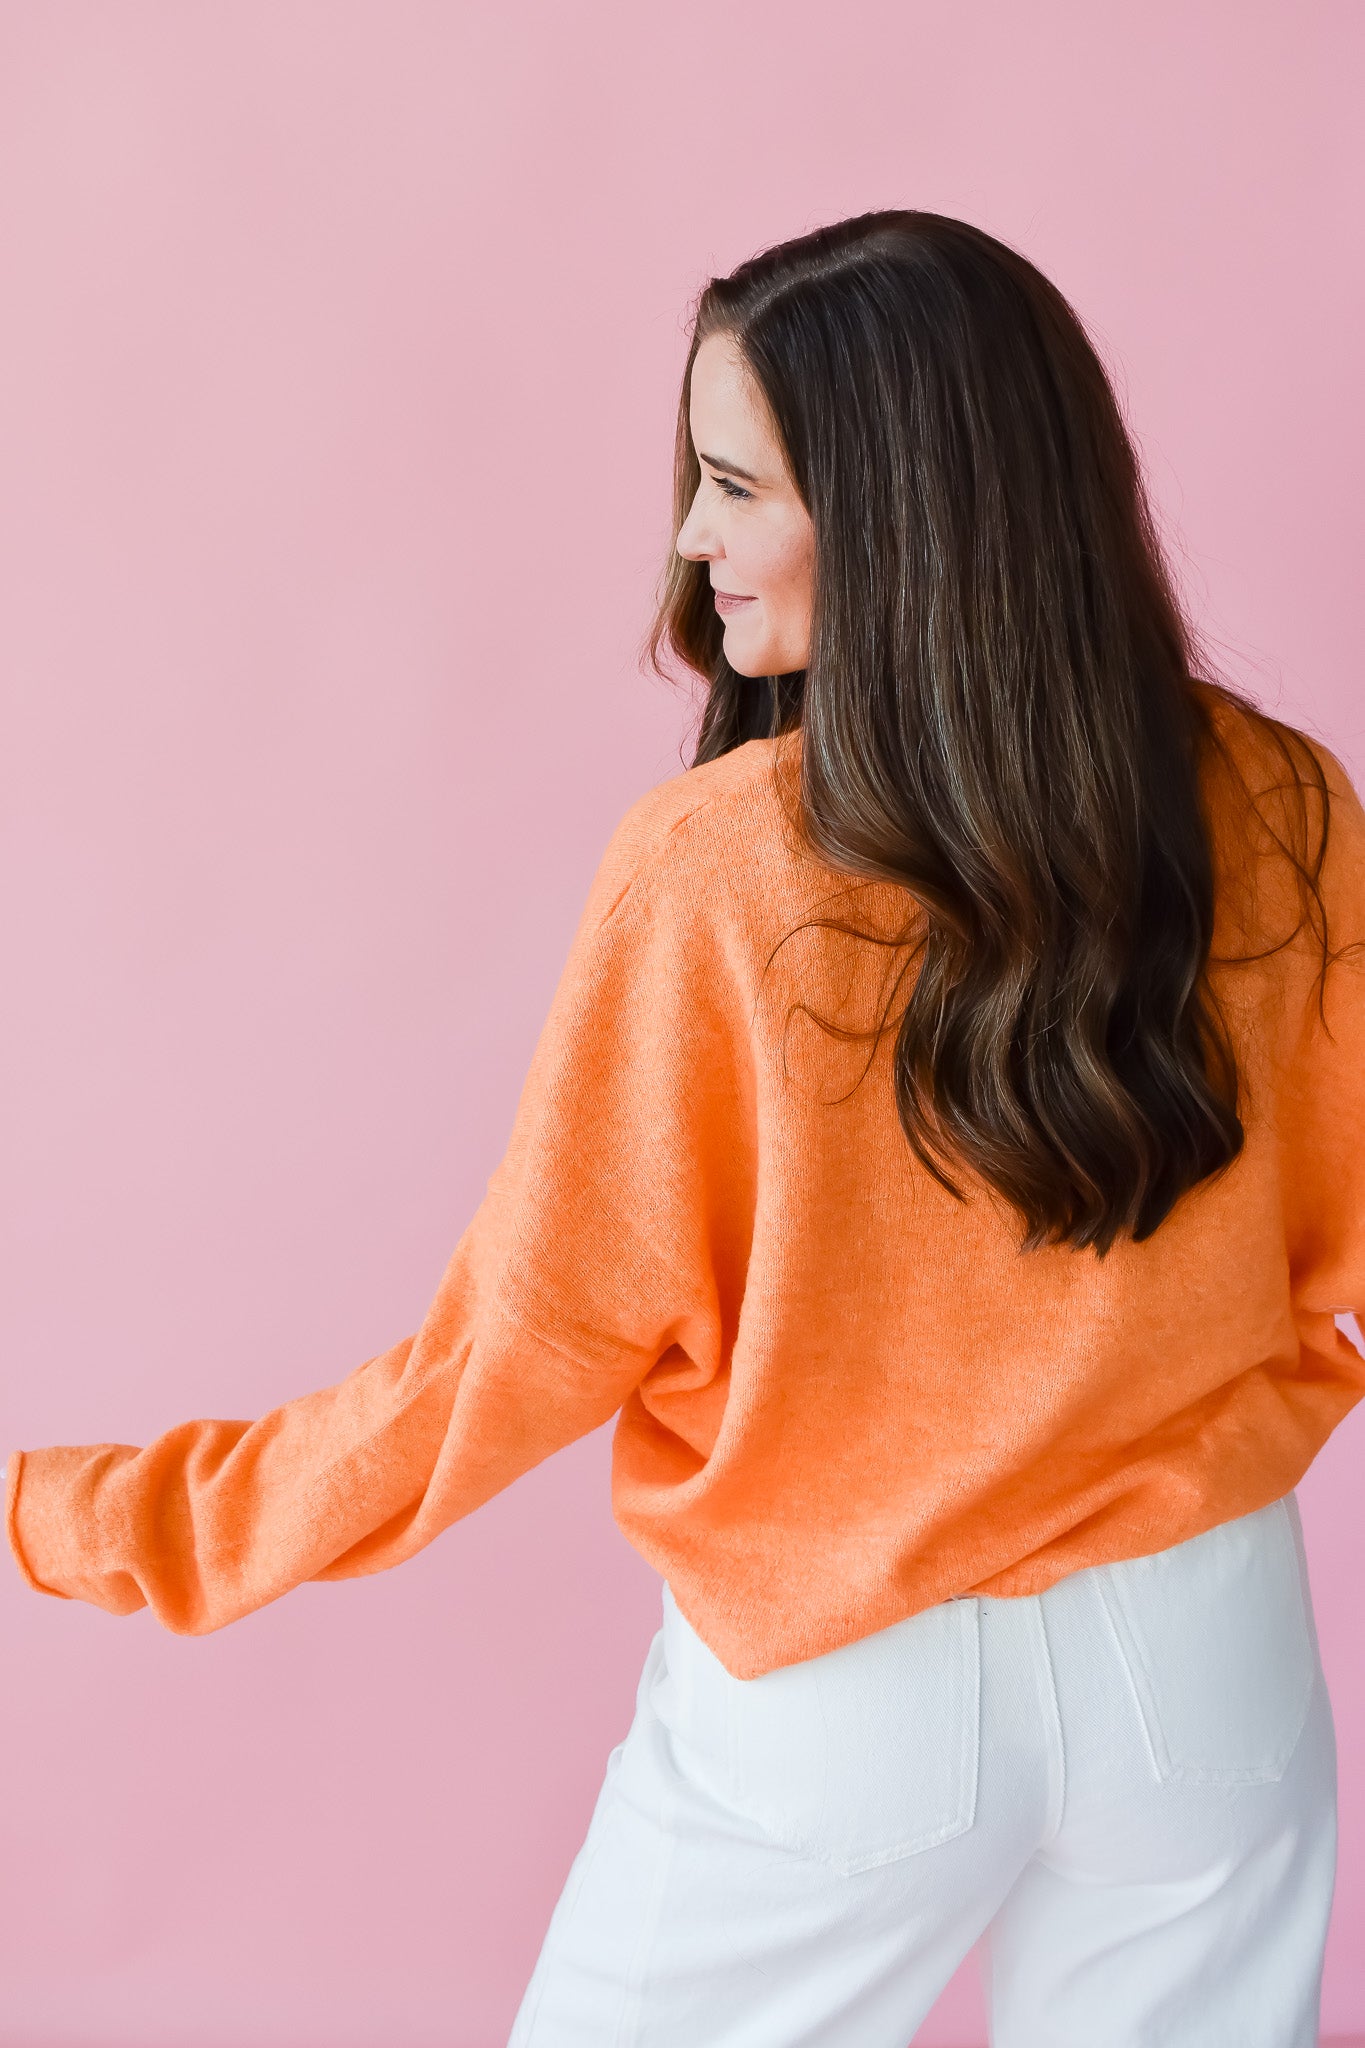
778	564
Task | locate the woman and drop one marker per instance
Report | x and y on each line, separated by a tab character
945	1155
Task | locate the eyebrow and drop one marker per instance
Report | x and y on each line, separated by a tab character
730	468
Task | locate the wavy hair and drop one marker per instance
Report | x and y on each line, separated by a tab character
1000	712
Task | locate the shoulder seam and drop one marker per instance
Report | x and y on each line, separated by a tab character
694	810
652	859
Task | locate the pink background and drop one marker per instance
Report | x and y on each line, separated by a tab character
339	349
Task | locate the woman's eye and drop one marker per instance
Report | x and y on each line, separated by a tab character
732	490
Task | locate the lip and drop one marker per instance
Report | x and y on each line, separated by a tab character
731	600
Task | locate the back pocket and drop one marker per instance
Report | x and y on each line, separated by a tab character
1218	1639
854	1758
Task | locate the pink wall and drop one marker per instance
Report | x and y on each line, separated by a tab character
338	361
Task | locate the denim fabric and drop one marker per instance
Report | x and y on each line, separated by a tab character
1126	1785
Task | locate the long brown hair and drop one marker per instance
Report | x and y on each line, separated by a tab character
1001	711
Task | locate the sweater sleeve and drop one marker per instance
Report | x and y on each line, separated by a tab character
600	1245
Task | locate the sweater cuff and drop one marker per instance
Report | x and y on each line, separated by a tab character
13	1480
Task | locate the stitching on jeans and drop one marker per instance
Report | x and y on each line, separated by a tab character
1125	1627
630	2018
1116	1622
1056	1826
811	1843
972	1735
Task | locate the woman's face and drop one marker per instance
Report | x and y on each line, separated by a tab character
747	519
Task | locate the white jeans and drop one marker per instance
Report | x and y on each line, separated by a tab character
1128	1783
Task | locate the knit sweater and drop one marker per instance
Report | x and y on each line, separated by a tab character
841	1395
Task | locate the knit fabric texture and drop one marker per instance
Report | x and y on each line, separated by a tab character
841	1395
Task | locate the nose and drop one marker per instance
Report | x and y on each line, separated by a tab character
694	542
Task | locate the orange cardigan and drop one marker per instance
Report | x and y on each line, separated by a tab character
841	1396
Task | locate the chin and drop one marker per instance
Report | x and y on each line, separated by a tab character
755	666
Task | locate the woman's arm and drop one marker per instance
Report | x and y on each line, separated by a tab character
215	1518
614	1229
